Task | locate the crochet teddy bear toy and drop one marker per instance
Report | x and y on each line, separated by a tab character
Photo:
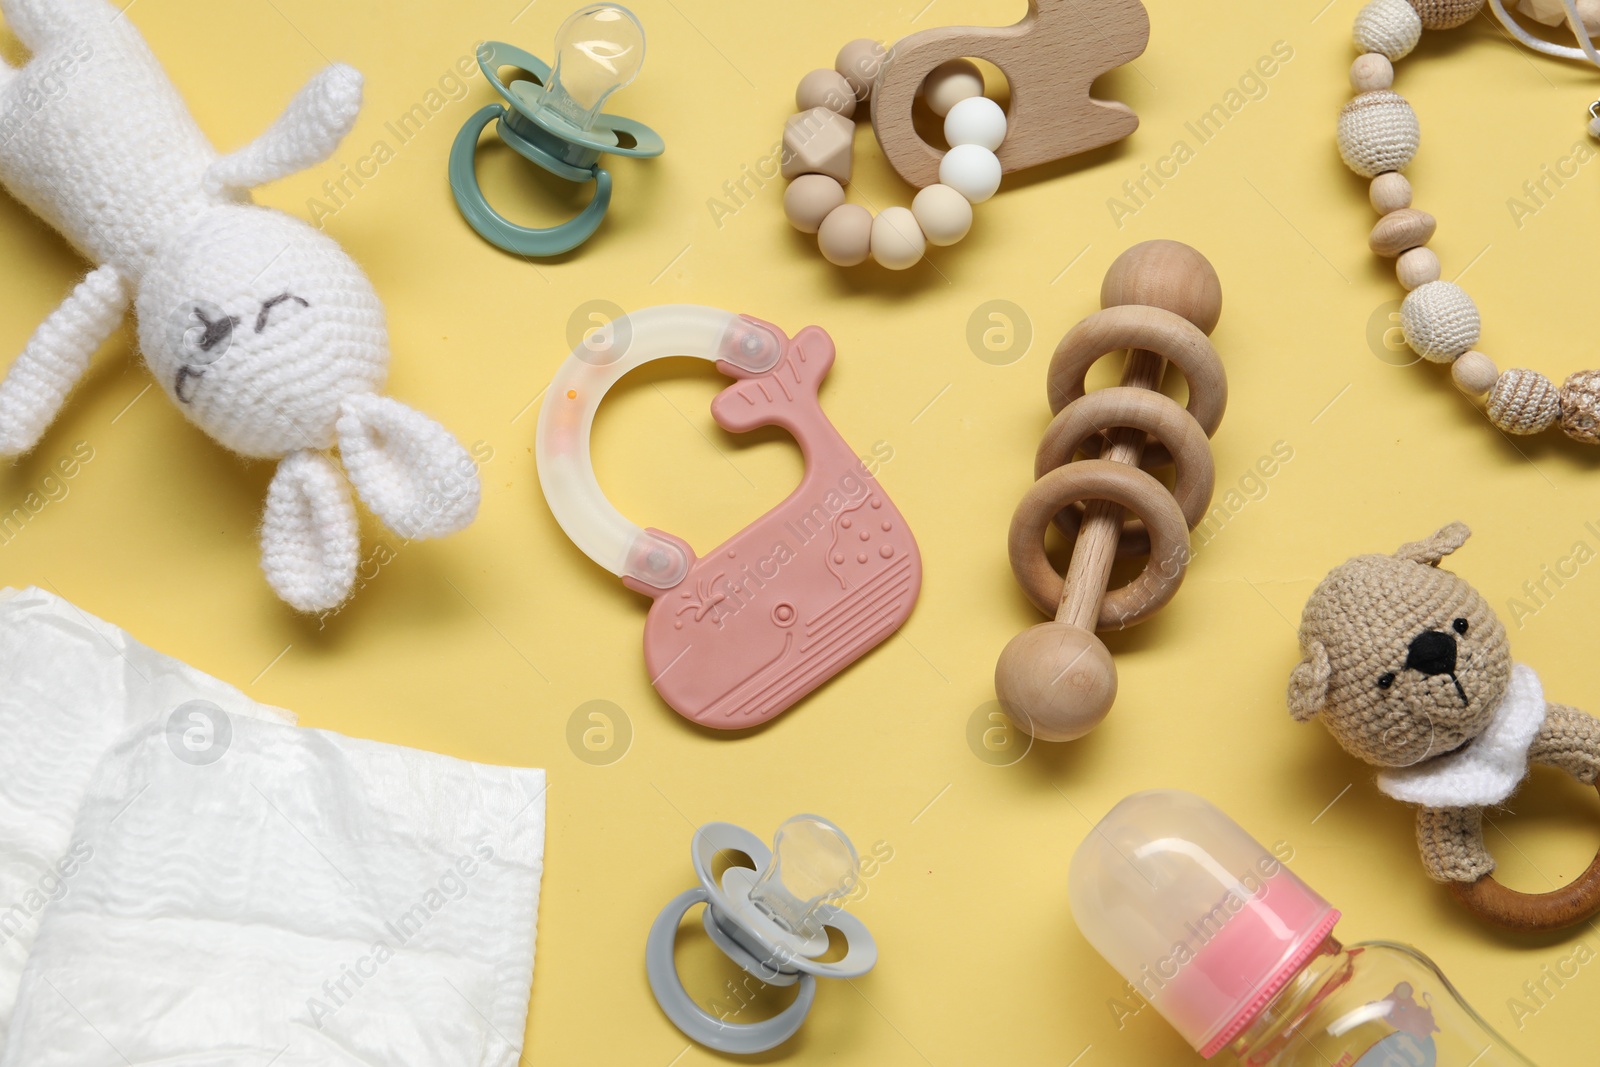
261	329
1409	668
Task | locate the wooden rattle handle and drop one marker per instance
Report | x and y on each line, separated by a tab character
1096	548
1160	299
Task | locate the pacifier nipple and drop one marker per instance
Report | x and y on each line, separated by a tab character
813	864
599	49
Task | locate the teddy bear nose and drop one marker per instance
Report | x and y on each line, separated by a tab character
1432	652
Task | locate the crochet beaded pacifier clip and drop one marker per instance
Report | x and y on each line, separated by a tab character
1378	136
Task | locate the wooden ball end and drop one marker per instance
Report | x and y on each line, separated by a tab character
1168	275
1056	681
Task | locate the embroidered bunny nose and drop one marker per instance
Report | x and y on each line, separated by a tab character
1432	652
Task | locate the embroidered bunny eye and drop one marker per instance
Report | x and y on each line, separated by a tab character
1459	626
1385	680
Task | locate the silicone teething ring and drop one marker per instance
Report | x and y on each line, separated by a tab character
1533	912
501	231
1100	479
695	1021
1152	329
1139	409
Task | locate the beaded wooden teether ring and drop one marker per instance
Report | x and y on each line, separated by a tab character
1378	136
819	143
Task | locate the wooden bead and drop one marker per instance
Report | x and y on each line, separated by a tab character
1417	266
1378	131
1580	407
1400	231
858	64
1446	14
809	199
944	214
1389	192
1440	321
818	141
1056	682
845	236
1371	71
825	88
1523	402
897	241
951	82
1474	373
1391	28
1169	275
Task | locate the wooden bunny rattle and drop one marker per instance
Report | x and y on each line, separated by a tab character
1409	668
1161	299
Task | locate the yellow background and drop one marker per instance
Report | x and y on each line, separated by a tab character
483	645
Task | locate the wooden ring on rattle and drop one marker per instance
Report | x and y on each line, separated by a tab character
1140	409
1100	479
1152	329
1533	912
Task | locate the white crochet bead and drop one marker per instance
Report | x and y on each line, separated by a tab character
1378	132
1524	401
1440	321
1391	28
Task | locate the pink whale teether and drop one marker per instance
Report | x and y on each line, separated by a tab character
742	633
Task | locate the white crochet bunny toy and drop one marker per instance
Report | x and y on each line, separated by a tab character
262	330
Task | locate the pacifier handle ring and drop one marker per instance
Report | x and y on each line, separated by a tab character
495	227
566	470
697	1023
1492	902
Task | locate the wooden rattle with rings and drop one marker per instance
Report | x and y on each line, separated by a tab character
1160	300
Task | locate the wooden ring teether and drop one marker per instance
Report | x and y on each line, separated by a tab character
1533	912
1128	487
1056	680
1151	329
1165	422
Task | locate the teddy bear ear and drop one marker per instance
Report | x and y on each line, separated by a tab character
1308	685
1437	547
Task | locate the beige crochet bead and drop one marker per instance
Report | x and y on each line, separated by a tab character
1378	131
1391	28
1419	266
1446	14
1389	192
1440	321
1371	71
1524	401
1580	407
1474	373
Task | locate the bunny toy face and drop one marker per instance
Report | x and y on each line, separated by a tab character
259	327
1403	661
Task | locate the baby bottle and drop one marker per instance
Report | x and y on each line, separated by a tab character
1238	954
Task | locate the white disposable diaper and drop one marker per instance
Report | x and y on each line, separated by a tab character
230	890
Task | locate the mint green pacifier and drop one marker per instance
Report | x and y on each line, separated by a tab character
555	121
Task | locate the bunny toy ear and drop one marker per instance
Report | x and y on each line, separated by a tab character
407	468
310	542
1437	547
308	131
1308	685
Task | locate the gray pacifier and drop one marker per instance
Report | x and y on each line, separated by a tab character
772	921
